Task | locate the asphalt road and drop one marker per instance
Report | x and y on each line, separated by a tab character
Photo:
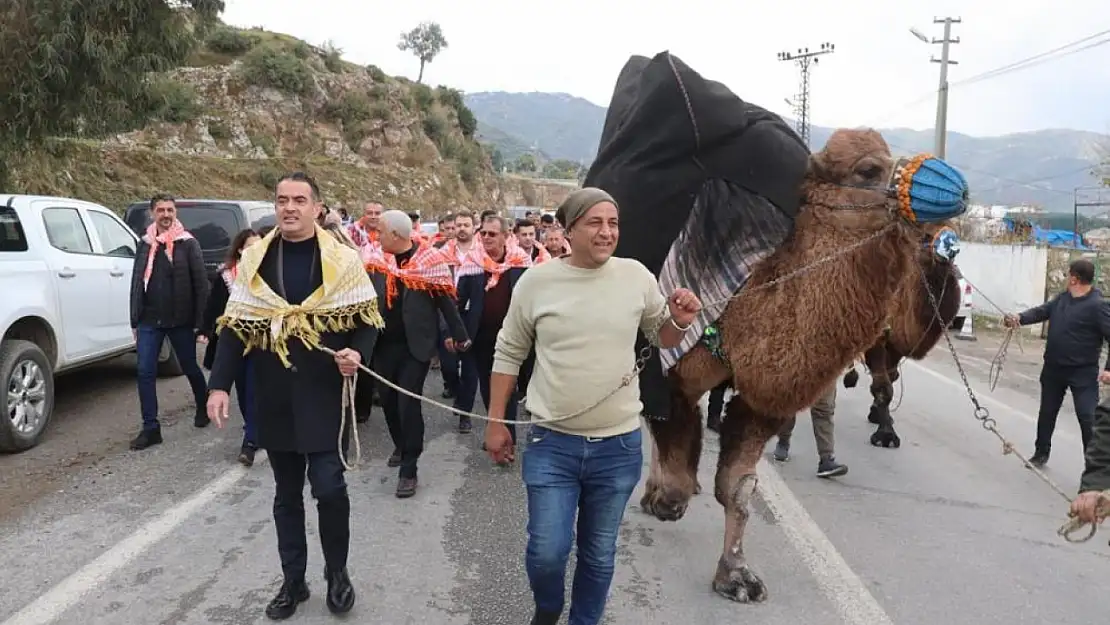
943	530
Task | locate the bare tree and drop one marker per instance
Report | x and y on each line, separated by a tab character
425	42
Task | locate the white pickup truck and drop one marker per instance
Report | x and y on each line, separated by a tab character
65	284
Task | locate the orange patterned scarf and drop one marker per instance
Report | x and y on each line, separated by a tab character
175	232
429	269
471	264
515	257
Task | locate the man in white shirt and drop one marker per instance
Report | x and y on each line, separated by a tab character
581	313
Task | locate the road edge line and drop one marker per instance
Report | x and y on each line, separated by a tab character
54	603
840	584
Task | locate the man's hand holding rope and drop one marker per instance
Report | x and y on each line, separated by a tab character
1091	507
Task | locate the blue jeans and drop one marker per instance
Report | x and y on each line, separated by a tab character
148	343
565	474
244	388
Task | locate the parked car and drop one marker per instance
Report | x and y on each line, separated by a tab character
965	301
214	223
65	272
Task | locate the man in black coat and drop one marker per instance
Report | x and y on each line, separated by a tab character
484	298
168	289
1078	325
300	405
418	287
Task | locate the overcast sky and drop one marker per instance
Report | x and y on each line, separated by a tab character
880	74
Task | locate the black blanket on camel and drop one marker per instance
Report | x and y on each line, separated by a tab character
707	186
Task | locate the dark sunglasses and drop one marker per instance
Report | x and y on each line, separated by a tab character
487	233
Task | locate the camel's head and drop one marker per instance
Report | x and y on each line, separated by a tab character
855	178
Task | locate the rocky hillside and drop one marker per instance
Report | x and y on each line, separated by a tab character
1041	168
251	105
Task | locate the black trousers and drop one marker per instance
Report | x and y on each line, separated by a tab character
329	488
483	362
1055	381
448	363
403	414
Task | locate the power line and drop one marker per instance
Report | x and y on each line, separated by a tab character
1037	59
1004	69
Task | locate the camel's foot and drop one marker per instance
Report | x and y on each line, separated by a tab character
665	504
739	584
886	437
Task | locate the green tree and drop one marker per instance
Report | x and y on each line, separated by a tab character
425	42
73	66
525	163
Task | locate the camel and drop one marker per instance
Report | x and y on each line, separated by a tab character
786	342
913	332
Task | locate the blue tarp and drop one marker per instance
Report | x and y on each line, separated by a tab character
1054	238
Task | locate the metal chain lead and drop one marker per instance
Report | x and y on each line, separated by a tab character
989	424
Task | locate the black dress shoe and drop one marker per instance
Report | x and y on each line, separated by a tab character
146	438
246	454
394	459
341	593
200	419
285	603
545	618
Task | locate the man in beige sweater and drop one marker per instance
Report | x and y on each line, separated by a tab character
581	313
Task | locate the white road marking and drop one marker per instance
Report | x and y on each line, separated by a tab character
984	361
987	399
841	586
54	603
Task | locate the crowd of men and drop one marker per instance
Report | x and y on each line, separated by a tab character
299	309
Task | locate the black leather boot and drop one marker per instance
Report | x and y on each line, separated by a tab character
545	618
341	593
285	603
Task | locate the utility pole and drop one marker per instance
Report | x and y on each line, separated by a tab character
941	127
1100	201
802	59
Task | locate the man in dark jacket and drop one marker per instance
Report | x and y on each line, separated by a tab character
301	409
484	298
1078	324
417	287
448	360
168	289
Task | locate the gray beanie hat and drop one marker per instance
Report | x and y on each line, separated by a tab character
580	201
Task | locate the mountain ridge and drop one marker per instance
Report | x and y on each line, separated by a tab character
1041	167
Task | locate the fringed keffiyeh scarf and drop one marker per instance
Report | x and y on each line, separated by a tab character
176	232
263	319
514	257
429	269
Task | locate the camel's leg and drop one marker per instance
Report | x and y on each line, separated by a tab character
676	450
883	363
744	434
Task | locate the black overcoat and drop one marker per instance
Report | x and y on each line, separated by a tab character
297	409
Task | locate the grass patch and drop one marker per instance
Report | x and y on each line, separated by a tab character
229	41
423	97
270	66
376	73
169	100
219	130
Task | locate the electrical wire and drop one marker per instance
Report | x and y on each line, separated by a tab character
1036	59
